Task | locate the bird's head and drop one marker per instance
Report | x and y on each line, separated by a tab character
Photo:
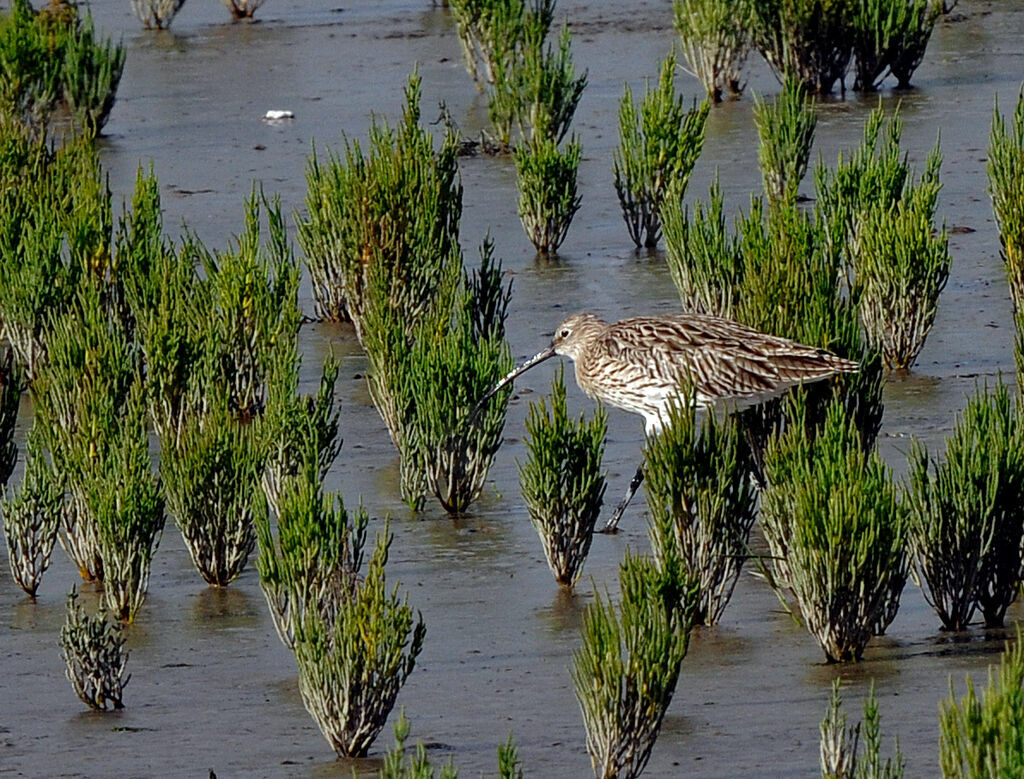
574	333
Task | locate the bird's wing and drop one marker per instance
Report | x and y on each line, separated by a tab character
720	357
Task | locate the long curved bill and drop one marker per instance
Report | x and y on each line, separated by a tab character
511	376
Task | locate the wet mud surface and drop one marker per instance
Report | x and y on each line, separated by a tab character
212	686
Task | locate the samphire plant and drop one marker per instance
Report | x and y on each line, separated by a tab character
1006	186
836	529
900	269
156	14
626	669
776	272
94	653
31	517
531	86
12	385
548	198
55	228
536	89
967	512
81	398
296	427
785	131
52	57
702	500
446	444
983	736
122	496
353	664
561	481
399	765
890	36
242	9
880	222
392	212
211	476
313	561
714	38
805	40
813	41
841	752
354	641
211	381
659	143
251	309
489	30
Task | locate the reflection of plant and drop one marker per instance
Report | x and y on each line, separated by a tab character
392	213
840	758
626	669
967	521
983	737
702	504
156	14
93	649
785	131
658	146
548	198
715	38
833	522
562	483
32	517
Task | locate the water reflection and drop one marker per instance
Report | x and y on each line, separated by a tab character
225	608
565	614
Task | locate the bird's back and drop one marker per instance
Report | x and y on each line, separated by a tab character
638	363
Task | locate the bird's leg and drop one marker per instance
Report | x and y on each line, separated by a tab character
634	485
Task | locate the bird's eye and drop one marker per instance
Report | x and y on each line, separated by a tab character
564	333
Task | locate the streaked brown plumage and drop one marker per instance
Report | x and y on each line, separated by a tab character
640	365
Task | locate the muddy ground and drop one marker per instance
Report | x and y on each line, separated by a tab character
212	686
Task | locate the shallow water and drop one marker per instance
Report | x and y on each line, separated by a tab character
213	688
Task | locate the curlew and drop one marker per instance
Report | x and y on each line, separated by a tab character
639	365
